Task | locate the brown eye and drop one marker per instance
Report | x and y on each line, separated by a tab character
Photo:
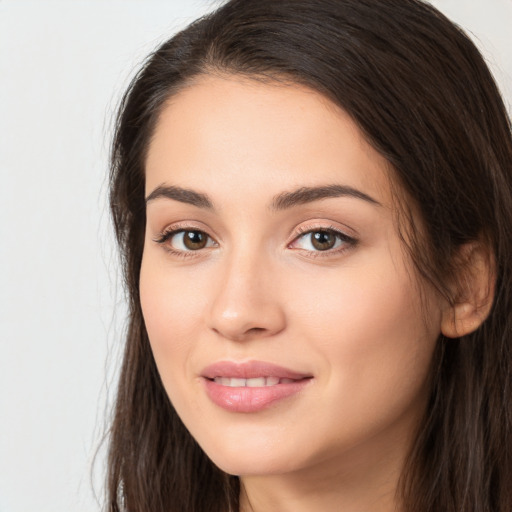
194	240
323	240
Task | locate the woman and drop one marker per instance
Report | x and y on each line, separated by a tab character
313	200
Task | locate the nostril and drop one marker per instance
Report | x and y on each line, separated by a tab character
255	330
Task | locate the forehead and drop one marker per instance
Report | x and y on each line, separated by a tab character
235	132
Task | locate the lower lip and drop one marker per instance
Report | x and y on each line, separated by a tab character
247	399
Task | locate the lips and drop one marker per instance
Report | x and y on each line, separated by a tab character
251	386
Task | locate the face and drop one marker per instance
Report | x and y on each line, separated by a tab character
280	306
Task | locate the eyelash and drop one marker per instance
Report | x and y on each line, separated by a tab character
347	241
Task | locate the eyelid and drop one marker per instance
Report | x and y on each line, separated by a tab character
167	234
184	226
323	225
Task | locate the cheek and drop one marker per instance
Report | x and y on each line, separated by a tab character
369	329
372	301
172	306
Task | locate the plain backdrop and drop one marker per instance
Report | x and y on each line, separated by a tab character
63	65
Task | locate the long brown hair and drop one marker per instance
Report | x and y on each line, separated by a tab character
424	98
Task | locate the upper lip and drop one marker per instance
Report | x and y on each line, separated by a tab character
250	370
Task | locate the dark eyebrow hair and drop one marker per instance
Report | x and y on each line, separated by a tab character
309	194
183	195
282	201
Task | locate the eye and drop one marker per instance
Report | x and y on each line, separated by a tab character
322	240
185	240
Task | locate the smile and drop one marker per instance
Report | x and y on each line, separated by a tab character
252	386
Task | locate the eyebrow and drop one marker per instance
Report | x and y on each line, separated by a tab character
282	201
309	194
183	195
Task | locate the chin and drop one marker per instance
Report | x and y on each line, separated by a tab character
259	457
242	466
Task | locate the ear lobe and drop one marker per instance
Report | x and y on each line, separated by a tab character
474	291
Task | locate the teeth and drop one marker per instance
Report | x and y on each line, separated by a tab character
272	381
257	382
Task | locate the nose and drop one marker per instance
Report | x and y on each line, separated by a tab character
246	301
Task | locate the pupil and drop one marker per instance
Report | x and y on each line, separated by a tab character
323	240
194	240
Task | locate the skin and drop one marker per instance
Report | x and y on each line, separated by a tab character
350	316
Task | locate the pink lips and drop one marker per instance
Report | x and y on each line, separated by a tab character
267	383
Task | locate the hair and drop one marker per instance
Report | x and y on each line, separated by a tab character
422	95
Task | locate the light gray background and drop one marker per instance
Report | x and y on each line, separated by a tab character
63	64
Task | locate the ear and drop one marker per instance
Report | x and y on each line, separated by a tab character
474	287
